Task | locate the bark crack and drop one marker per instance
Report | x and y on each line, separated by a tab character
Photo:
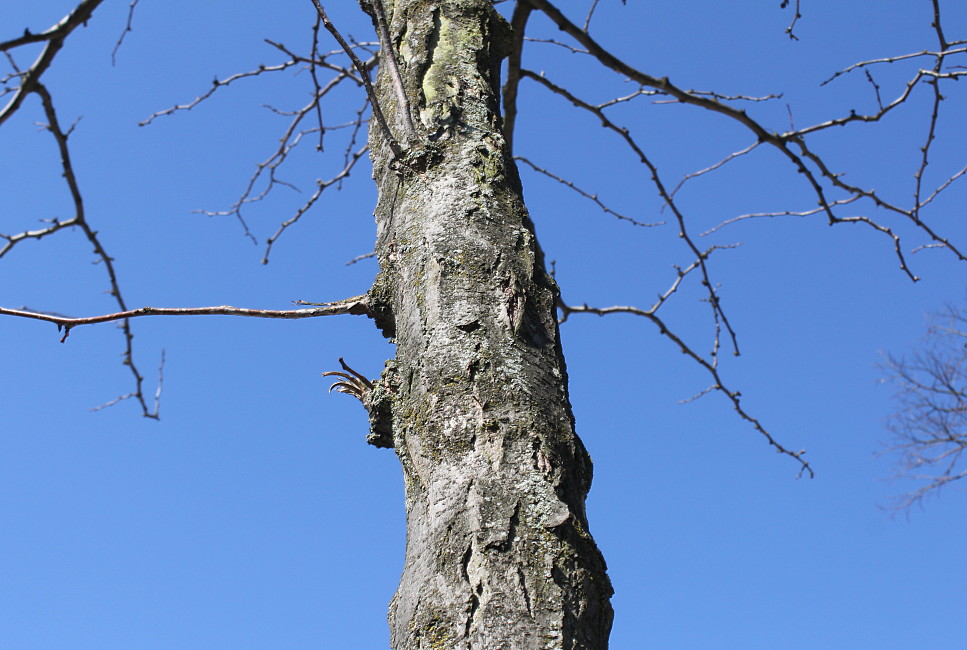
474	598
524	592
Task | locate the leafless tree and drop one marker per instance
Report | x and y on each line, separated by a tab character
930	423
498	544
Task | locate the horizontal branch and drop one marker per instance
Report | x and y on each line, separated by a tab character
357	305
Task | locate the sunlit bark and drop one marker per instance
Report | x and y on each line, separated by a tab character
498	550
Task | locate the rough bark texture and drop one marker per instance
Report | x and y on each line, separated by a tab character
498	552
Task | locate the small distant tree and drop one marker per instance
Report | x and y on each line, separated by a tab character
475	403
930	422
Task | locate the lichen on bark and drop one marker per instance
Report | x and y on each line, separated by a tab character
475	403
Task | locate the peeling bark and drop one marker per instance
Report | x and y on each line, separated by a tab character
498	551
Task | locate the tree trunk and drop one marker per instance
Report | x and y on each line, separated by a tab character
498	552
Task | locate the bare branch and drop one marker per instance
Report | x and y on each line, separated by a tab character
221	83
587	21
80	220
718	385
556	43
321	186
518	23
54	37
389	57
291	138
314	74
360	258
82	12
721	97
876	91
592	197
935	112
353	136
641	92
791	144
661	84
356	306
656	179
942	187
156	409
732	156
937	26
30	83
364	74
40	233
894	59
127	28
862	117
795	19
836	180
782	213
267	171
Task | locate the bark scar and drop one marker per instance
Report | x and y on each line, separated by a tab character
376	396
474	599
379	403
515	300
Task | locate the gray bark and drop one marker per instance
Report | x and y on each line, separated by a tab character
498	551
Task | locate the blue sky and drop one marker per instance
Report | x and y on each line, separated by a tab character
253	515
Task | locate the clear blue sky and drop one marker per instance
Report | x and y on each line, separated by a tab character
253	515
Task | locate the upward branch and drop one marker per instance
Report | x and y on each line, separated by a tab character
394	144
388	53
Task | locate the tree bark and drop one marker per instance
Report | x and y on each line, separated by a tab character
498	552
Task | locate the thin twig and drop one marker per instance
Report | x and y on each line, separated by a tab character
80	220
127	28
321	186
587	21
592	197
795	18
732	156
894	59
557	43
930	421
314	74
781	213
291	138
360	258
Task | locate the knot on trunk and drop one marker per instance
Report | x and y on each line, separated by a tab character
376	396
